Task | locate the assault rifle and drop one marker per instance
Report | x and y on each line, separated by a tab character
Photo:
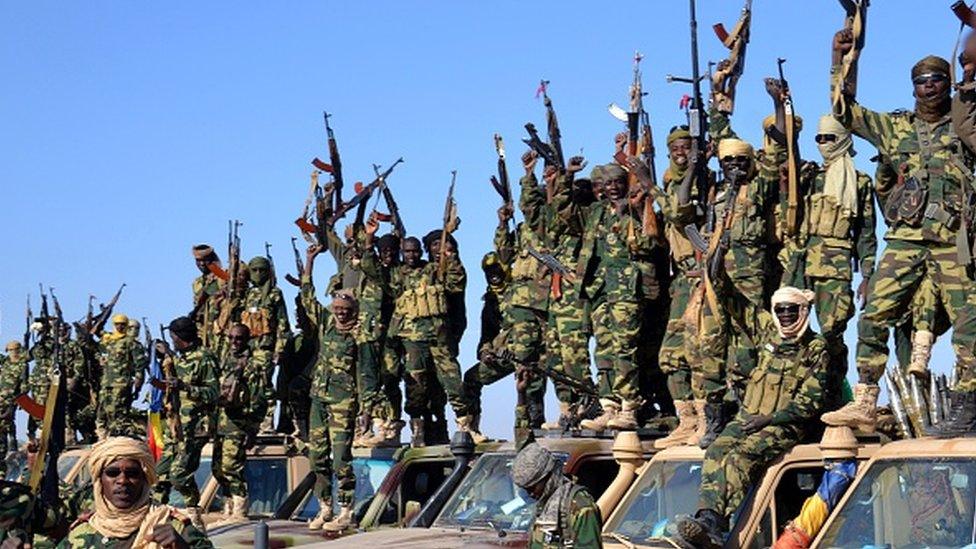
501	183
724	80
170	395
391	205
964	13
723	235
540	147
335	167
233	257
363	194
267	255
552	127
450	224
296	280
558	270
321	198
792	156
855	20
27	326
96	325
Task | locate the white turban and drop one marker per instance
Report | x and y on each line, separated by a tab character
796	296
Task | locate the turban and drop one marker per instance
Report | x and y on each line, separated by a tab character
120	319
258	262
678	133
795	296
110	521
734	147
533	465
768	123
930	65
202	251
840	179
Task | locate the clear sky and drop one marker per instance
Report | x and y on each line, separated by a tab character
132	131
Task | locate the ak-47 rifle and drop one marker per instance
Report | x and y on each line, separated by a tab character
364	193
450	224
724	80
296	280
45	313
27	325
321	198
697	127
501	183
335	167
855	20
540	147
267	255
792	156
558	270
171	397
394	217
552	127
723	235
98	323
233	257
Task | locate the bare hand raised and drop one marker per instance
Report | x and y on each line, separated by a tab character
528	161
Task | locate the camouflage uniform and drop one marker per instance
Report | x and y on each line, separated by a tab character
334	403
84	536
82	390
11	385
196	368
39	381
239	416
933	155
206	304
122	358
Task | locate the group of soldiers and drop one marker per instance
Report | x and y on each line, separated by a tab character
697	292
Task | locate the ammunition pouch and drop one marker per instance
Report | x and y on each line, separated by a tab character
524	267
231	390
425	300
907	203
827	218
256	319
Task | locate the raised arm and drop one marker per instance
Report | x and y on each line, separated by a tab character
313	307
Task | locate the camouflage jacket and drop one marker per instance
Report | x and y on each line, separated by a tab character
42	353
11	384
930	152
83	536
567	518
123	360
206	297
421	310
678	216
560	222
197	368
491	315
614	257
530	282
334	376
244	392
263	312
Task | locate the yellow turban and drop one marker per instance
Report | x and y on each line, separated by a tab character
734	147
120	319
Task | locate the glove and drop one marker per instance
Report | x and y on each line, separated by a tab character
754	424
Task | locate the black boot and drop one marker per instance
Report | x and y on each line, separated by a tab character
715	420
706	530
961	419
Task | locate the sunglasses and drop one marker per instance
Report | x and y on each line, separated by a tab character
822	138
130	472
931	77
680	127
786	309
736	159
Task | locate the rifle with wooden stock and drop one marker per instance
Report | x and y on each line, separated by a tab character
394	216
501	183
724	79
450	224
792	156
334	167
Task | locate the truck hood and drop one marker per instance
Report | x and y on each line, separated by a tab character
282	533
428	538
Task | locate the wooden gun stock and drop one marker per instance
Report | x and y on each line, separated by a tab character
322	166
218	272
720	32
965	14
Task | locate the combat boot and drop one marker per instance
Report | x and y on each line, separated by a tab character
961	419
325	515
700	423
921	353
715	421
599	423
196	518
239	508
228	508
341	522
417	429
469	424
562	420
687	426
861	413
391	432
625	419
364	431
705	530
378	436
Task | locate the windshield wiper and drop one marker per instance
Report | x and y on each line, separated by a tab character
623	540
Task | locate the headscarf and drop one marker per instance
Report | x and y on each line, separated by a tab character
841	178
264	282
737	147
349	299
675	171
803	298
491	259
933	109
142	517
203	252
769	122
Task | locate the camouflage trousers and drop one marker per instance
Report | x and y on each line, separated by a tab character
229	458
522	333
8	430
736	461
834	304
891	291
748	270
368	374
926	313
652	382
330	451
706	345
616	328
422	360
567	341
673	357
391	374
114	408
186	454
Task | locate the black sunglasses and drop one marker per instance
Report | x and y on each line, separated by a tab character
787	308
931	77
130	472
822	138
735	159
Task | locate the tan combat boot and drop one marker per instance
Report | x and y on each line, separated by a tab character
196	518
599	424
417	428
922	342
625	419
325	515
469	424
342	521
556	425
228	508
379	434
391	432
687	425
239	508
860	414
701	425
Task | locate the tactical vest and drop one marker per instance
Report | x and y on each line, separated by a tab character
426	299
553	528
258	320
749	223
775	382
826	218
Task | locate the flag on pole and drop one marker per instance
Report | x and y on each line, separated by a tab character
154	430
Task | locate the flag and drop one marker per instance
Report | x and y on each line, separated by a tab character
154	429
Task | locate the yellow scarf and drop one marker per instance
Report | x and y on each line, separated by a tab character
840	180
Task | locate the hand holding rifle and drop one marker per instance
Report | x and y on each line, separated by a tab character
529	160
505	214
575	165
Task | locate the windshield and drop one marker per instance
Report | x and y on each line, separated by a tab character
369	474
909	503
666	489
487	497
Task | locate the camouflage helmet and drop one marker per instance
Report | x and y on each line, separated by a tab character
533	465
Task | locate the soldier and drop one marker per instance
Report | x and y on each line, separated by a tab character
936	171
124	515
82	389
12	370
197	388
140	355
611	273
206	290
782	399
497	279
334	400
241	406
42	353
263	312
565	513
419	319
122	362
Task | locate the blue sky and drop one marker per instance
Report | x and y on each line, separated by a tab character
134	130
